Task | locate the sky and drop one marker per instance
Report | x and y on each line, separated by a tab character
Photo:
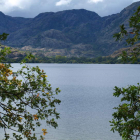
31	8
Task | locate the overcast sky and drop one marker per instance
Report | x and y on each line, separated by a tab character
31	8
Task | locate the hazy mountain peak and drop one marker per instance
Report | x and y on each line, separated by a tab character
2	14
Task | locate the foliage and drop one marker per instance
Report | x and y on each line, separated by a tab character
131	37
127	117
63	59
26	100
126	120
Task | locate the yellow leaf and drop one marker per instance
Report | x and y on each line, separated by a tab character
35	117
20	119
44	131
14	78
44	76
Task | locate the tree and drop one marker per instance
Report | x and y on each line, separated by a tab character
26	98
126	119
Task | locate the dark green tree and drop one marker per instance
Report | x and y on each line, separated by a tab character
126	119
26	99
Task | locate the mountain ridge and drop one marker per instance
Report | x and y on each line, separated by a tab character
77	32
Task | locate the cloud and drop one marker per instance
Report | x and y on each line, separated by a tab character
11	5
63	2
94	1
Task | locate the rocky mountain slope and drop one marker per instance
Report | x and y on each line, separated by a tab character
70	33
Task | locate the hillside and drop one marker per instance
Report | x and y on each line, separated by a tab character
128	50
68	33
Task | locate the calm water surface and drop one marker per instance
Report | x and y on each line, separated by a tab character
87	98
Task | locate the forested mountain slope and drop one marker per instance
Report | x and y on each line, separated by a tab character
70	33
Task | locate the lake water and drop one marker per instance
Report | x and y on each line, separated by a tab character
87	98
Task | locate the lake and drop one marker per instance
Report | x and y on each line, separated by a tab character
87	98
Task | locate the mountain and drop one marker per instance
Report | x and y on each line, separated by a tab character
70	32
11	24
